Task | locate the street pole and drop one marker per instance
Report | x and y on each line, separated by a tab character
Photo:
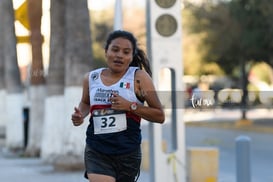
243	164
244	88
118	22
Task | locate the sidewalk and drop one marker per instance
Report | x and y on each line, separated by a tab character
33	170
14	168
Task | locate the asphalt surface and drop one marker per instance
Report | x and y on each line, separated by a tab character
261	151
214	129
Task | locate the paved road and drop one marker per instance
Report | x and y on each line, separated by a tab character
14	169
224	140
17	169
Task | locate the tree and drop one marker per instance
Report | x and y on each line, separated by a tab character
235	30
102	24
52	141
37	90
254	43
78	61
214	24
14	99
254	19
2	80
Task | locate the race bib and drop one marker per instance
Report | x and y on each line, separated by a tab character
109	121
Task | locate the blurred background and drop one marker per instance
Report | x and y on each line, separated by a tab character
226	44
47	46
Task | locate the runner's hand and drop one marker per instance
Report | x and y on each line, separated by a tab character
77	117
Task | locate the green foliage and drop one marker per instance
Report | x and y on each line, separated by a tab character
211	69
99	58
101	25
193	51
263	72
255	20
236	30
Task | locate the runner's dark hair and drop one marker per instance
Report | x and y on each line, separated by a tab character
140	58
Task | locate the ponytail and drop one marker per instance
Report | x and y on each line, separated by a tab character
140	60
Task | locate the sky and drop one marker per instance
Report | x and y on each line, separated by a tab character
102	4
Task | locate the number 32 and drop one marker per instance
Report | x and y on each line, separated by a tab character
108	122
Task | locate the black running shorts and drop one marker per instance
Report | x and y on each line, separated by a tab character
124	168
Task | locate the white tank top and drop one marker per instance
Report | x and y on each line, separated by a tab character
99	93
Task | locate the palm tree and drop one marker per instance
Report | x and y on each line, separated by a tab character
2	81
52	140
37	88
14	100
78	57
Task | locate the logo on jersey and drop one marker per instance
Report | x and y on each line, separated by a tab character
95	76
104	95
